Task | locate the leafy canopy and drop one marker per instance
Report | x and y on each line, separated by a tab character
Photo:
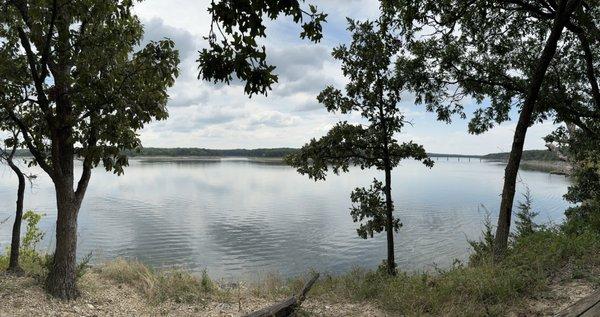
374	91
583	153
233	48
70	67
457	51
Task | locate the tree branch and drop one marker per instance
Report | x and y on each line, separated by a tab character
589	62
47	44
39	157
87	162
37	80
524	6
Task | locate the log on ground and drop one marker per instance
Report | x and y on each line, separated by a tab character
286	307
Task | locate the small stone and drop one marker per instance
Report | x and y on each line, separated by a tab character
90	306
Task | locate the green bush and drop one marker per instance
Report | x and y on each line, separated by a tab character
30	259
483	248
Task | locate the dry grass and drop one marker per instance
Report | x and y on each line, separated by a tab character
122	288
159	286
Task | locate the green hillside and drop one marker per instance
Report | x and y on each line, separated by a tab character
528	155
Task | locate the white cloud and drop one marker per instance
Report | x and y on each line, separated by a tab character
499	139
203	114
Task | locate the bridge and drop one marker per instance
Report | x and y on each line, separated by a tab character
458	157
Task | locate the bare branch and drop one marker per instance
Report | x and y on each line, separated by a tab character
48	43
589	63
39	157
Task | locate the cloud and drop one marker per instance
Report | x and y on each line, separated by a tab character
190	15
304	69
204	114
309	106
155	29
295	60
187	119
271	119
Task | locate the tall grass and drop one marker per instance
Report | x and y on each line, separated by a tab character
478	288
160	286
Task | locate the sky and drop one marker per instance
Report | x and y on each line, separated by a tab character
207	115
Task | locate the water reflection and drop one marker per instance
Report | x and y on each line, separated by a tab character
239	218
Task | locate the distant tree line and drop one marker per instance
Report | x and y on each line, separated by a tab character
530	155
178	152
195	152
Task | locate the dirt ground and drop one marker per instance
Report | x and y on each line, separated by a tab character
558	298
23	296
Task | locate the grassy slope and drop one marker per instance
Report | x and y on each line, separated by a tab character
533	264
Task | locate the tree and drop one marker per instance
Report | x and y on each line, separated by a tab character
374	91
582	151
11	94
8	156
233	47
524	224
85	94
537	56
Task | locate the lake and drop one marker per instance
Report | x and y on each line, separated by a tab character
240	219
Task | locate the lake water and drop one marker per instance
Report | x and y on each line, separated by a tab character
240	219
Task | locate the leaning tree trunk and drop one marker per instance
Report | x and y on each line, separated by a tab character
514	159
13	265
389	227
61	280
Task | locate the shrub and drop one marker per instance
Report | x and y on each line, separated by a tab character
30	259
483	248
524	224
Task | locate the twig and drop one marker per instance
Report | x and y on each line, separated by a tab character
5	220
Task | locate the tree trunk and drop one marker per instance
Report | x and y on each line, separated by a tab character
514	159
13	265
61	280
389	208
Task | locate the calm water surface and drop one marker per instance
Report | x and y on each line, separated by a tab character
241	219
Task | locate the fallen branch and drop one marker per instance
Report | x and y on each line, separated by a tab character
287	307
5	220
587	306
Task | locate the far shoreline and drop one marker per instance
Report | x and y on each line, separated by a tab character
552	167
